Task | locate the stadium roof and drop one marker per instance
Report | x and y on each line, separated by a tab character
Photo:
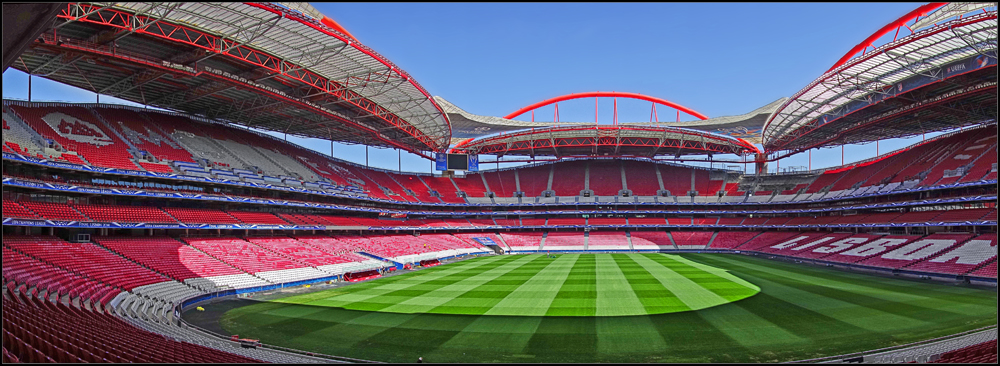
607	140
466	125
262	65
896	90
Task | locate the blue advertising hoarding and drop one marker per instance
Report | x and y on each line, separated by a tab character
441	161
473	163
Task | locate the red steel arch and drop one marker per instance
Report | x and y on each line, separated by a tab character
605	94
901	22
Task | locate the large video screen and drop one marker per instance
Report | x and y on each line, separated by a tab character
458	162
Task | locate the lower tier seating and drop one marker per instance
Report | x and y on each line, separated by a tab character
37	330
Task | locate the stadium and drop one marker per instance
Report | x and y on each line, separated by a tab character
185	227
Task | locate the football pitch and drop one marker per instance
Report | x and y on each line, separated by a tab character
614	308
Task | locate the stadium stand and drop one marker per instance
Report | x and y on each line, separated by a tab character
116	213
12	209
606	240
41	331
859	250
86	259
535	179
568	178
964	258
650	240
76	129
522	241
605	177
731	239
564	241
985	353
691	239
265	218
640	177
53	211
200	216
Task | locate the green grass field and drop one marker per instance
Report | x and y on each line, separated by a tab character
614	308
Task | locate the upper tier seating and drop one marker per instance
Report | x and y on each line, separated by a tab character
965	153
676	179
21	138
533	181
144	134
417	186
605	177
76	129
640	176
444	187
567	178
90	260
471	184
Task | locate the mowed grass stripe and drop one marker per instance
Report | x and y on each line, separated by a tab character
487	296
375	295
365	290
712	281
534	296
614	294
577	296
871	319
655	298
693	295
433	298
895	299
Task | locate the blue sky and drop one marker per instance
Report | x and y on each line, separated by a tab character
494	58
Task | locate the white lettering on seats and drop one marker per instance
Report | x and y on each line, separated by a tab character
875	247
815	243
789	243
972	252
919	249
74	129
840	245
